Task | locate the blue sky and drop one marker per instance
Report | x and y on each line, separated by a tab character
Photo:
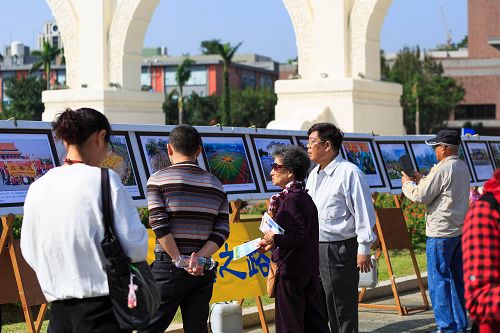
262	25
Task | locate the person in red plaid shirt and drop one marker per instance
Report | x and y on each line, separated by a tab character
481	257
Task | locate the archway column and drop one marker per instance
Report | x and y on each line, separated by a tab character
355	105
339	80
103	42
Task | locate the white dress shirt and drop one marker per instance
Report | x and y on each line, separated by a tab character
62	231
343	199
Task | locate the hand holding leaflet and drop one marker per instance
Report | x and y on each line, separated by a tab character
268	224
245	249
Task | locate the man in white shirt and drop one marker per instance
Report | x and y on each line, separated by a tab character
346	219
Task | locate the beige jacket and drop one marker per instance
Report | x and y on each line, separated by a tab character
445	191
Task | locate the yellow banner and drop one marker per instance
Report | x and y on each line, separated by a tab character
236	279
20	170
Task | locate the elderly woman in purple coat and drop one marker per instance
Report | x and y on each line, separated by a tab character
299	301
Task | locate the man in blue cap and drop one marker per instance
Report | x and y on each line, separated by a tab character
445	192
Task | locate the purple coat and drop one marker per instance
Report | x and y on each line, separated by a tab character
298	215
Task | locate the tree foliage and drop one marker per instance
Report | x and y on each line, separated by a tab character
182	76
437	94
25	94
46	56
226	52
249	107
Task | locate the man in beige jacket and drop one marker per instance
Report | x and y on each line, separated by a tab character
445	192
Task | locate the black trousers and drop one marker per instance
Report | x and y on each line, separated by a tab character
83	315
340	278
297	309
178	288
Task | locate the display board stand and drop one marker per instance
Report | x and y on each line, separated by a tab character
392	234
28	293
235	217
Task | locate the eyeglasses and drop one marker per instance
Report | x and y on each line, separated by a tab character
311	143
276	166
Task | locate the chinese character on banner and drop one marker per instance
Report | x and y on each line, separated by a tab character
225	268
258	262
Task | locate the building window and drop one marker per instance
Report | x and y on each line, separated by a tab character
476	111
248	80
61	77
198	76
265	82
145	78
5	77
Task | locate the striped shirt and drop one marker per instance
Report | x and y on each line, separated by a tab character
190	203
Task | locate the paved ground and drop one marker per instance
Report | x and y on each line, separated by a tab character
381	321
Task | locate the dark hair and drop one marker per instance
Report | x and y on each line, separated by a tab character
185	139
328	132
75	127
295	159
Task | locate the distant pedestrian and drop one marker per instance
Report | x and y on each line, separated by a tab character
445	192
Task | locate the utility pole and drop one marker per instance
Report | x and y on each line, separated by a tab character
417	108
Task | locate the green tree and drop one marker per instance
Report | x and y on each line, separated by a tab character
464	42
46	56
170	109
226	52
182	75
437	94
26	98
252	107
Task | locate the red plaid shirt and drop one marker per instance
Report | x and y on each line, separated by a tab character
481	256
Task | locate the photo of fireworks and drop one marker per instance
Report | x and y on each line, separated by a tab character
227	158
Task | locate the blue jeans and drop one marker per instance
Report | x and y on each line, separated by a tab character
446	284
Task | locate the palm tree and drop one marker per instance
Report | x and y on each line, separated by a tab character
226	51
46	56
182	75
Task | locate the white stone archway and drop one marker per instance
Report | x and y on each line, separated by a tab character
339	64
341	81
103	43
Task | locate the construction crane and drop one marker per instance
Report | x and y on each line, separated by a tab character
448	31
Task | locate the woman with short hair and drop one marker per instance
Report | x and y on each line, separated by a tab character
296	252
63	227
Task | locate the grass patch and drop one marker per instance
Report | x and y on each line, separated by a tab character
401	264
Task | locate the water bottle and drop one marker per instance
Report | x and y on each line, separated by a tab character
207	262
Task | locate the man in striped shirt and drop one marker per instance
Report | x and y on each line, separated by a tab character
189	214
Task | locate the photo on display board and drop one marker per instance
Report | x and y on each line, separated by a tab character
227	157
263	148
24	157
361	153
154	151
391	152
481	160
462	156
122	162
424	156
495	151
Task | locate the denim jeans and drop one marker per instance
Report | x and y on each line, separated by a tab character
446	284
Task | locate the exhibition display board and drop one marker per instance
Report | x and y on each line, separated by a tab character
239	157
